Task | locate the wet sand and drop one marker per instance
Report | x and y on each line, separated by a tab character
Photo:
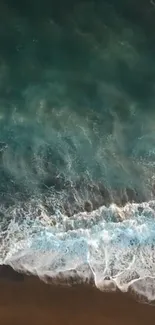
27	300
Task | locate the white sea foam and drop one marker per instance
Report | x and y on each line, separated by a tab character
117	253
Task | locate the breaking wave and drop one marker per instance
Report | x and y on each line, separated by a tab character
114	246
77	142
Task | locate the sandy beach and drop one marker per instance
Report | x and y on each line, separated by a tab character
27	300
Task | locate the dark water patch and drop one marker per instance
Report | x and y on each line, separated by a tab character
77	102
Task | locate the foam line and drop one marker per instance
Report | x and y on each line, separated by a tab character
119	254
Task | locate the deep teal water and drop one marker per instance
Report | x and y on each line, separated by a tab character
77	95
77	118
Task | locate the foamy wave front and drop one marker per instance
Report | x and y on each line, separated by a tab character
114	245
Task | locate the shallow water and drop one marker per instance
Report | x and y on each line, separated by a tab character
77	140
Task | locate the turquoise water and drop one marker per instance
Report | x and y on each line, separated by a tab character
77	138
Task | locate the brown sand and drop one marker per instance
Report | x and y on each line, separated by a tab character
25	300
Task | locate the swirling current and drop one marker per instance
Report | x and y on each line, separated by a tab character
77	141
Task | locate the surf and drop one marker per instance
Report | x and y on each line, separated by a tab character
115	254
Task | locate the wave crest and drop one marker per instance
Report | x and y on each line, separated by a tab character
117	254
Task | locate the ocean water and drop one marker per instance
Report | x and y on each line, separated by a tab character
77	141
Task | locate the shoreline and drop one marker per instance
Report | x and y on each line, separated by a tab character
27	300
